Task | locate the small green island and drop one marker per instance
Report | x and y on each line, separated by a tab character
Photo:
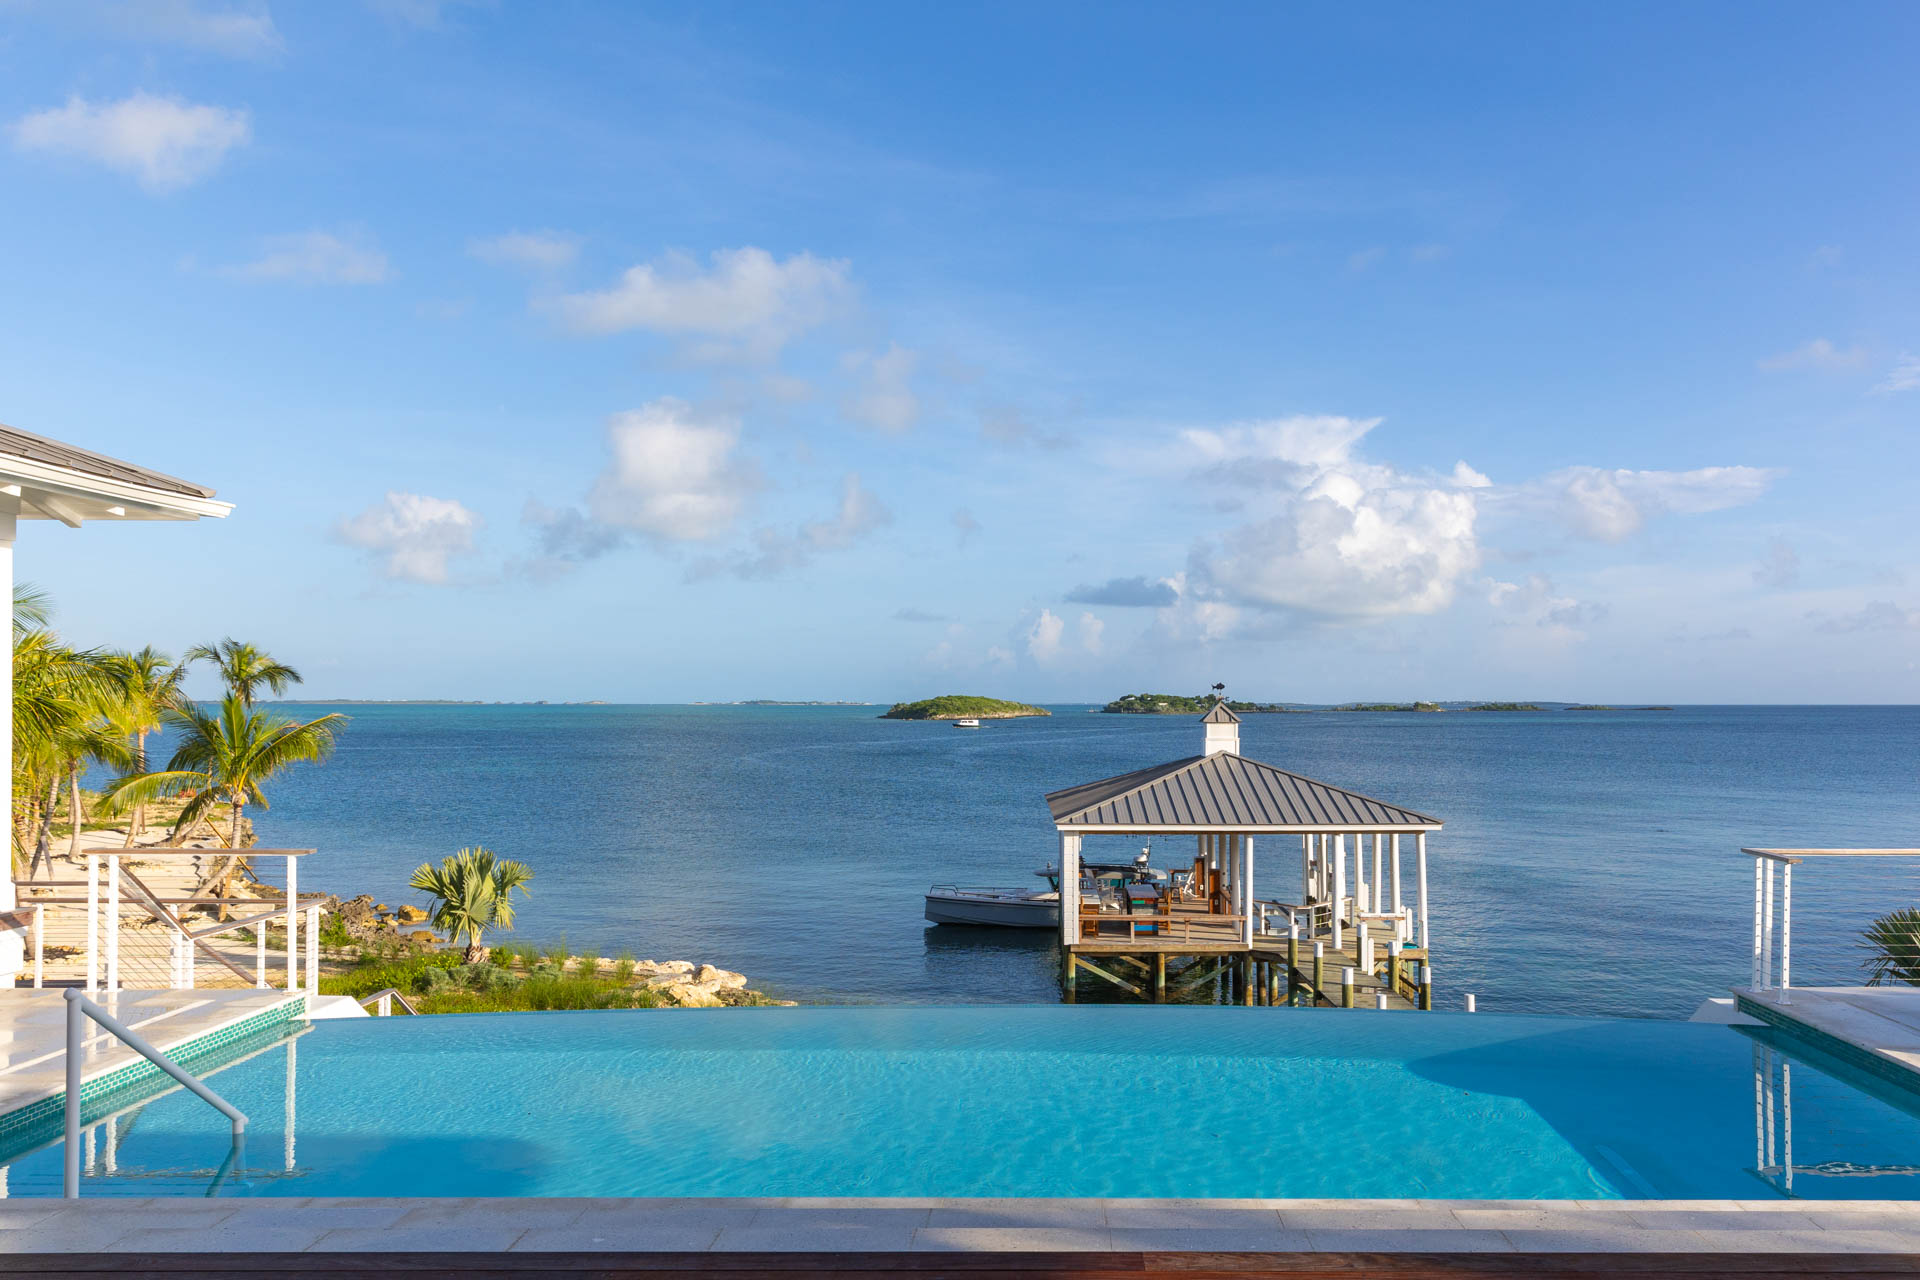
1174	704
1506	706
961	706
1391	706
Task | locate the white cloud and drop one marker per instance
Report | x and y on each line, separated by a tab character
244	30
313	257
1904	376
674	474
1092	632
885	399
859	514
1344	537
414	535
540	250
1536	602
999	656
1611	505
165	143
1819	354
746	297
1043	639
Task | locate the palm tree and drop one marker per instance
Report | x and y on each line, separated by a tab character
147	684
472	893
58	693
32	609
226	755
1893	946
243	668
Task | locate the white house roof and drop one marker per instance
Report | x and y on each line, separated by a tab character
56	481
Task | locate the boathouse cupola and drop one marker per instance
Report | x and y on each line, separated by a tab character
1223	729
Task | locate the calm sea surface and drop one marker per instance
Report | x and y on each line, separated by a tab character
1590	861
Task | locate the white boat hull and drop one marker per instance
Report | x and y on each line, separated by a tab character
1012	910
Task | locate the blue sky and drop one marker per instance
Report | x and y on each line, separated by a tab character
840	351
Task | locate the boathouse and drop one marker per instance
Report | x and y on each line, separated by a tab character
1354	907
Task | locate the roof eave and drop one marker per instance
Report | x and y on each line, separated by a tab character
1309	828
140	502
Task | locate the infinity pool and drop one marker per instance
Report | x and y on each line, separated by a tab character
1019	1101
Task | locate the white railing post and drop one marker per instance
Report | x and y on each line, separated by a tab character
76	1066
186	960
1339	886
39	945
93	922
113	922
1766	925
260	954
1759	916
1420	867
1786	931
293	929
313	955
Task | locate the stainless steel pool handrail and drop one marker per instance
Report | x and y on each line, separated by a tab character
386	996
79	1008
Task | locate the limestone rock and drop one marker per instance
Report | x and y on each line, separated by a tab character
410	914
690	995
709	975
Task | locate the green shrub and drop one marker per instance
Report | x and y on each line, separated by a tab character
408	975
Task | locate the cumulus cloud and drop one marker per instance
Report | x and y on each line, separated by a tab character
1611	505
744	300
1819	354
313	257
776	552
1044	637
1781	568
566	536
674	474
164	143
885	399
1343	537
539	250
1127	593
235	32
1536	602
1092	631
412	536
1879	615
1904	376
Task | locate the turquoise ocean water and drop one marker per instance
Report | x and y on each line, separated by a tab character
1589	863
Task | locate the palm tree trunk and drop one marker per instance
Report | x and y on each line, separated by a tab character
73	811
43	838
138	822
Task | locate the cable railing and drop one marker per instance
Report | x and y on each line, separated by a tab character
1880	950
79	1009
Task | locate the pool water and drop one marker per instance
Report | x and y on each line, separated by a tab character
1018	1101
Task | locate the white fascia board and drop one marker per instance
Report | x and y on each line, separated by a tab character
162	504
1318	828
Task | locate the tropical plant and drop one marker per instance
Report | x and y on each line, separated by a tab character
472	893
243	668
225	756
147	684
59	694
1892	944
32	609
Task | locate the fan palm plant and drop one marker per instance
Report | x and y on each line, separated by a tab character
32	609
58	693
1892	944
147	684
226	755
243	668
472	893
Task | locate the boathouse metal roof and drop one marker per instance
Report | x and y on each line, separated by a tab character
1220	713
1224	791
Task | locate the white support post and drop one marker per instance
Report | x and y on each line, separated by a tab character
1766	925
1246	894
1306	868
260	955
293	928
1359	875
1378	857
1786	932
93	922
186	961
39	945
292	1062
1400	929
313	955
1420	887
1339	884
11	958
113	922
1759	915
1069	888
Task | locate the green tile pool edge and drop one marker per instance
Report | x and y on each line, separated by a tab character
42	1121
1851	1054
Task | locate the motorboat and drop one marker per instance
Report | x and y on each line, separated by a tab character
968	723
1014	908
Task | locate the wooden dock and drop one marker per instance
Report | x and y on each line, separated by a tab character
1188	952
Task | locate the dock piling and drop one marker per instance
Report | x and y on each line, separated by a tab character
1470	1008
1346	988
1426	986
1319	972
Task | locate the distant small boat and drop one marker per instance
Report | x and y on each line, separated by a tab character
1007	908
968	723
